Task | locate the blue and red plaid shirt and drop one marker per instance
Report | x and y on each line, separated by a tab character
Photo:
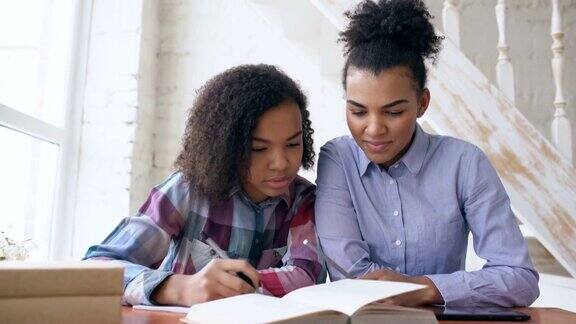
166	237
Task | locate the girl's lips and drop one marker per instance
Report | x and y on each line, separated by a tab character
377	147
278	182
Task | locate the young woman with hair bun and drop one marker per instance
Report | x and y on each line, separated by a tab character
395	203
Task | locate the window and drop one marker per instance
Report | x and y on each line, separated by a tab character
36	55
28	176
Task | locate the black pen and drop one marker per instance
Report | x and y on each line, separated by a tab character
222	254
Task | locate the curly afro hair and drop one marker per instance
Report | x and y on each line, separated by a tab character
216	144
390	33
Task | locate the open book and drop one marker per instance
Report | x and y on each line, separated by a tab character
337	301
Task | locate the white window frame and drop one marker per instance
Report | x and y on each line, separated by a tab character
35	127
66	137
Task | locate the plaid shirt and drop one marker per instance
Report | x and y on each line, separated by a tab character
165	237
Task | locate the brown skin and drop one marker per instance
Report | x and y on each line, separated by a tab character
381	112
274	162
425	296
216	280
276	152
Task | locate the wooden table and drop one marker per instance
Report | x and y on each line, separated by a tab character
539	315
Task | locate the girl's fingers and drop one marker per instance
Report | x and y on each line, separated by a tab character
232	281
243	267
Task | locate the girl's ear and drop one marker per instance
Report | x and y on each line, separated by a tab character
424	102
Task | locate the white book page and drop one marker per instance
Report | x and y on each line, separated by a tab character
249	308
349	295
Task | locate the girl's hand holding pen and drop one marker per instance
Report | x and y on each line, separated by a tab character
222	254
218	279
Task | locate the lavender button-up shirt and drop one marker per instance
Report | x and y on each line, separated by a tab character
415	218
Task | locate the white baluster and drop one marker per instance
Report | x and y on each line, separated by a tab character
504	68
561	132
451	21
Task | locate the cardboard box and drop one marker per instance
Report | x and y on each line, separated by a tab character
70	292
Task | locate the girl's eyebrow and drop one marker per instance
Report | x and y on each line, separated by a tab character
298	133
388	105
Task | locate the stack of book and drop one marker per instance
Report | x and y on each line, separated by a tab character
78	292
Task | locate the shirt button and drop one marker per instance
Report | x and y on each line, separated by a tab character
398	242
396	213
391	181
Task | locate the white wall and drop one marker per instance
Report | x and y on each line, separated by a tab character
143	150
201	38
109	122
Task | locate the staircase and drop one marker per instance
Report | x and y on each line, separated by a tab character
465	104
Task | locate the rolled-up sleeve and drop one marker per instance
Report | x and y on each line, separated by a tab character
508	277
302	265
336	219
140	243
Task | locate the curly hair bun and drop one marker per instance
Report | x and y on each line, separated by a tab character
405	23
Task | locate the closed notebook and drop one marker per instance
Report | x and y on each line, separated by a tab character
60	292
332	302
51	279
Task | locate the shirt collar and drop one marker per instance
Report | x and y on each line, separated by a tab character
413	158
363	161
285	197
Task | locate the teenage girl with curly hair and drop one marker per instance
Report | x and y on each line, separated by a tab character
247	135
395	203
